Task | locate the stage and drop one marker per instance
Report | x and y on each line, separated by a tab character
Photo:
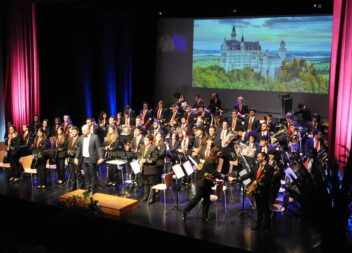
45	223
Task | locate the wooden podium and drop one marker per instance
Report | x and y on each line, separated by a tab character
109	204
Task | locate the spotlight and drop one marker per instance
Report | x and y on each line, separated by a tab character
234	10
318	6
160	13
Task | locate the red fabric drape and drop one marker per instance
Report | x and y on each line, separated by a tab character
22	72
340	94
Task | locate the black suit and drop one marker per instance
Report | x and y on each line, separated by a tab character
244	109
89	163
262	192
150	172
203	187
75	170
255	124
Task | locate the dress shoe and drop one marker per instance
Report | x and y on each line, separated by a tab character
16	179
11	179
184	216
152	200
145	198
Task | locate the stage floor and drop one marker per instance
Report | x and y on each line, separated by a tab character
227	230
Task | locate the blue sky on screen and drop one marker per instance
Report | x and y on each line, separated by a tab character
305	33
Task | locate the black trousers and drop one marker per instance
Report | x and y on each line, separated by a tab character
201	193
75	176
15	165
60	167
90	175
41	171
149	181
112	173
263	210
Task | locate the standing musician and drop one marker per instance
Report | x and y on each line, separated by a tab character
147	160
39	161
110	147
146	115
60	154
241	108
13	143
261	188
75	170
204	183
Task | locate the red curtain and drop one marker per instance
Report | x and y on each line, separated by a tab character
22	71
340	96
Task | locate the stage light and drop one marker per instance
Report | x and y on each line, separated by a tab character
234	10
160	13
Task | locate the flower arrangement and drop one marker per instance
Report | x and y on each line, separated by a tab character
83	203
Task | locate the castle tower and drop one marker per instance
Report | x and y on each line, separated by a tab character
282	50
242	43
233	33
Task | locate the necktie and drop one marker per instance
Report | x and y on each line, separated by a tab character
306	164
159	114
259	172
316	145
240	108
207	152
250	124
233	123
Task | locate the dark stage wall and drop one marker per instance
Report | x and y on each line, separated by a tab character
94	58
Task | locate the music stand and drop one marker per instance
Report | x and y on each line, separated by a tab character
244	184
179	173
136	168
118	163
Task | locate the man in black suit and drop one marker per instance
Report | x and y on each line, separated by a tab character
241	108
90	152
75	171
261	174
160	112
251	122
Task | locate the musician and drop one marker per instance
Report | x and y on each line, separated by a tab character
235	122
212	132
147	159
198	101
146	115
89	152
181	104
241	108
264	130
13	142
204	185
39	161
262	178
56	125
289	122
160	112
45	127
111	149
264	146
137	140
214	103
311	163
129	111
66	125
75	171
117	122
36	124
127	119
251	122
161	148
223	135
27	141
271	122
315	142
315	124
157	129
103	120
184	142
60	143
174	116
206	150
173	142
190	116
205	114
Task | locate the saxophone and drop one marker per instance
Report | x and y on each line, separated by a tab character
252	188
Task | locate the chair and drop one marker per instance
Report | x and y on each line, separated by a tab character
26	162
168	181
2	164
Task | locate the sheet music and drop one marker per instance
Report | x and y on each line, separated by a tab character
242	173
178	171
192	160
135	167
290	173
188	168
246	182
